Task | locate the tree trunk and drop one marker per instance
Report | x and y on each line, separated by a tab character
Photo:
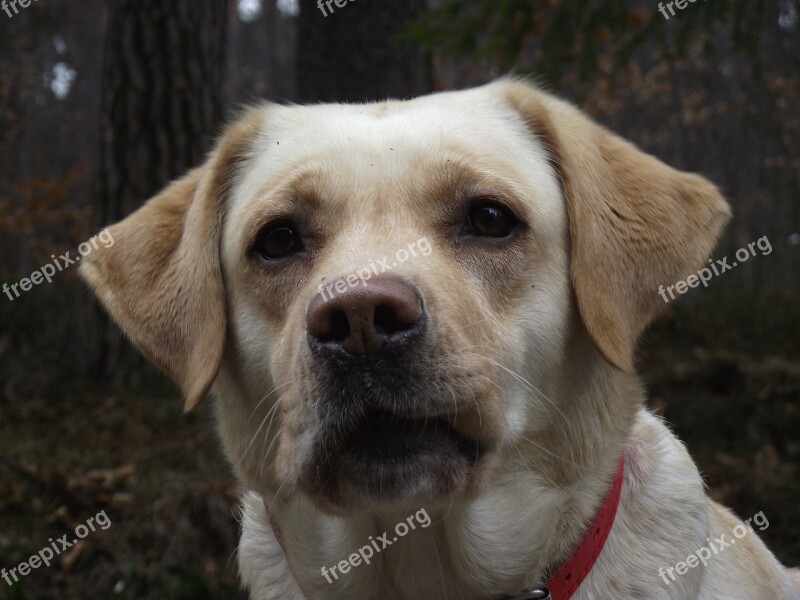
162	102
353	53
163	82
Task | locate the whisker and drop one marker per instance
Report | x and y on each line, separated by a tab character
268	394
271	415
529	385
550	452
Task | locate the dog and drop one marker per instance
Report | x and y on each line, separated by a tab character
483	378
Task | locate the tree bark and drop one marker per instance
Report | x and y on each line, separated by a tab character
354	54
163	97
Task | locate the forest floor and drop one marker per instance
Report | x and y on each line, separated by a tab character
171	498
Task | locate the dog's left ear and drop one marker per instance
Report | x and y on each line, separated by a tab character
635	223
160	278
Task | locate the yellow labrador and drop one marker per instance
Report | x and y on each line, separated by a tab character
430	308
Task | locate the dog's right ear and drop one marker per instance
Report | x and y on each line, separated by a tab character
160	278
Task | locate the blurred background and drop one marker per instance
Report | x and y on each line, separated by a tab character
103	102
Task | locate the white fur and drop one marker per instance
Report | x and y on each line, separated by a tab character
518	524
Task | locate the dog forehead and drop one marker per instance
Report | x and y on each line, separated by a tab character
469	119
372	142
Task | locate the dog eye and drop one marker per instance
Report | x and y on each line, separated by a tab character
278	241
489	219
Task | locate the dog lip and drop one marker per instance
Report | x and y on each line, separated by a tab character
384	435
388	452
385	456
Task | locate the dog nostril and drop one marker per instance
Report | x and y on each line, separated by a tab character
338	328
363	320
387	320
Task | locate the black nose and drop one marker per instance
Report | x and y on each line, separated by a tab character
365	316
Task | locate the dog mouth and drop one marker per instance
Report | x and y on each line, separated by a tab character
385	457
384	440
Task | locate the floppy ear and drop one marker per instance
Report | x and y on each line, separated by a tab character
161	280
635	223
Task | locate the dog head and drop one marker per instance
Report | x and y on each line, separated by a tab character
390	299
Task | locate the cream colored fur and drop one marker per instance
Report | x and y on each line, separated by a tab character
540	338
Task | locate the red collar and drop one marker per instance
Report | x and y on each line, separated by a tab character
563	584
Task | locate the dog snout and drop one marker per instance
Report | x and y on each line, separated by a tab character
365	317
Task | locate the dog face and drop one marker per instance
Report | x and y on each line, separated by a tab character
387	369
384	296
